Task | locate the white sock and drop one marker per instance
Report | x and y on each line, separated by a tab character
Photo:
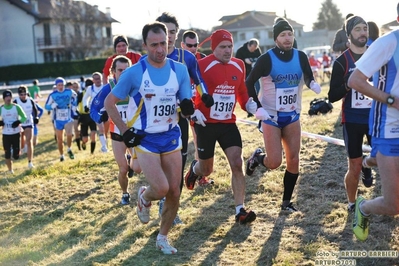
103	140
161	237
238	208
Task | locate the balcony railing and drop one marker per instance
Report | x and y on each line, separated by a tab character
59	43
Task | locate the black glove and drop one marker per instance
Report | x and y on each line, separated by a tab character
187	107
207	100
36	120
1	123
87	109
131	138
15	124
104	116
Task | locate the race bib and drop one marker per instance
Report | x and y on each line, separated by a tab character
62	114
359	100
163	110
223	107
287	99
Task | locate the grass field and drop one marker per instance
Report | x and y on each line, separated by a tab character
69	213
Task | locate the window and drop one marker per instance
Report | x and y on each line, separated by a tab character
242	36
257	35
48	57
270	35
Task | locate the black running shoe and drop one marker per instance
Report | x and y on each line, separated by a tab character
244	217
367	177
252	163
290	207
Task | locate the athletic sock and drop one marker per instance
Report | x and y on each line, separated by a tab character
289	185
92	147
238	208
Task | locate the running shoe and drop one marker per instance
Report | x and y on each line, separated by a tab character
290	207
190	177
351	208
367	176
104	149
244	217
62	158
164	246
143	211
71	156
125	199
360	222
84	146
204	181
252	163
177	220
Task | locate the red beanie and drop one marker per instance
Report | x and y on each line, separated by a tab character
219	36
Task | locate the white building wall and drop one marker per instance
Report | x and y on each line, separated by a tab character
16	46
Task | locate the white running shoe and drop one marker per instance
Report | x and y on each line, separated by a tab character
104	149
164	246
30	165
143	211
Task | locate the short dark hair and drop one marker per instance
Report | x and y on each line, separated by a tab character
89	82
190	34
122	59
349	15
168	18
22	89
155	27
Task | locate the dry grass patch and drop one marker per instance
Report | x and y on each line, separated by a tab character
69	214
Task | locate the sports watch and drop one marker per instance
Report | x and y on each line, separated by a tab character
390	100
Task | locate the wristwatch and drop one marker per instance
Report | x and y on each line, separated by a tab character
390	100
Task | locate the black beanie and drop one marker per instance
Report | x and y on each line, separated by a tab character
352	22
119	39
7	93
281	26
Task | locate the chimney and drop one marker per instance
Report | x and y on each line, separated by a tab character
108	12
35	6
96	12
82	6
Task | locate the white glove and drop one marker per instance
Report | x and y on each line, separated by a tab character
54	105
198	117
262	114
251	106
314	86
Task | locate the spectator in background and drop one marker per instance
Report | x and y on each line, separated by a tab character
341	42
75	115
249	53
374	32
82	83
121	47
34	90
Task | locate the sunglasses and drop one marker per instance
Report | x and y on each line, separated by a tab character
189	45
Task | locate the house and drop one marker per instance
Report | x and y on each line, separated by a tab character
259	25
41	31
